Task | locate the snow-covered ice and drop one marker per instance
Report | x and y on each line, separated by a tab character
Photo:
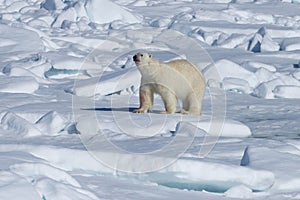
68	87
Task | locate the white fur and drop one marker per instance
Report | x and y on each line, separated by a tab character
178	79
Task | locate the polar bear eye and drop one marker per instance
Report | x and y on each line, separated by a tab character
142	55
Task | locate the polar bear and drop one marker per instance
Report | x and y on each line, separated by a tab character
177	79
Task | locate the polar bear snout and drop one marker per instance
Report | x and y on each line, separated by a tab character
136	59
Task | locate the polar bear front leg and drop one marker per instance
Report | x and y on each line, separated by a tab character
170	102
146	99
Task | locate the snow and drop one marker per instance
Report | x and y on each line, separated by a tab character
68	87
240	191
254	66
111	83
66	15
233	75
43	170
16	84
53	4
16	6
17	44
296	75
51	123
286	91
104	11
231	128
18	125
290	44
12	184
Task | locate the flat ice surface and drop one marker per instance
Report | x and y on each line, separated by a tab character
50	64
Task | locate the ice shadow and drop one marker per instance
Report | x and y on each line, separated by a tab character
122	109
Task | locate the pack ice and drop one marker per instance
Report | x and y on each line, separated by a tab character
66	124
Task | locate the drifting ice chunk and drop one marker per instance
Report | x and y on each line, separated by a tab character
51	123
12	122
14	187
233	41
16	6
16	44
38	170
265	90
183	172
290	44
277	159
18	71
287	91
57	190
240	191
262	42
296	75
229	69
16	84
69	14
231	128
52	182
254	66
288	86
108	84
60	61
105	11
214	174
237	85
40	70
53	4
7	42
216	1
82	24
264	75
160	23
80	9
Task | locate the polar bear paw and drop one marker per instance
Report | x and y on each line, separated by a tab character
140	111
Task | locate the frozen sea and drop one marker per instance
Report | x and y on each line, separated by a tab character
68	86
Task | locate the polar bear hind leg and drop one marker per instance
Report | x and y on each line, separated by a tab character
185	107
191	105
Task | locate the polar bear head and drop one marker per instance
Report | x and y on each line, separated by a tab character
142	58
